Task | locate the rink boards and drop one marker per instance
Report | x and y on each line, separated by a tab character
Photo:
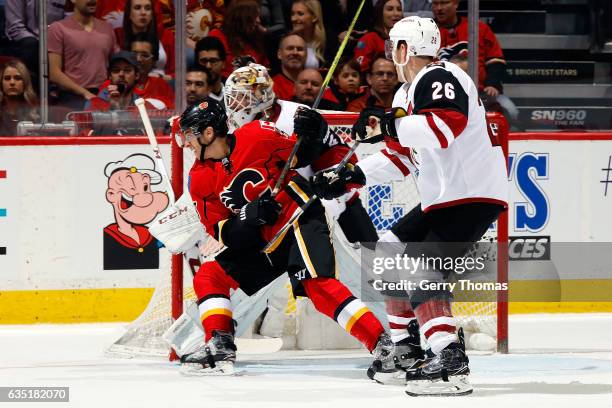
54	209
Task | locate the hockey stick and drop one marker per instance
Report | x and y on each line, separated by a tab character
142	110
317	100
311	199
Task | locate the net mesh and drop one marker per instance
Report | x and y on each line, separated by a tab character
386	204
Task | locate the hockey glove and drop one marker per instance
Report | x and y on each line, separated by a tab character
310	125
373	125
365	129
328	185
263	210
387	122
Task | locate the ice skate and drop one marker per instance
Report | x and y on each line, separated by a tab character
216	357
444	375
383	368
408	352
407	355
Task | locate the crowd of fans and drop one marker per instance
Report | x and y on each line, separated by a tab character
103	55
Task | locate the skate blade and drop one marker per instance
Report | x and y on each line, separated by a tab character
455	386
223	368
393	378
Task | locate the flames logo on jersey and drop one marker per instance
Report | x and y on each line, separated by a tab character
242	190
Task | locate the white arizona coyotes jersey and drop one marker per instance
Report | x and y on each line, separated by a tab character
445	140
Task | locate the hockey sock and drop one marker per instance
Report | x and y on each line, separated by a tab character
399	314
330	297
212	287
437	323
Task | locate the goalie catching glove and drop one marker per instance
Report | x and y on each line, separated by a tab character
263	210
329	185
178	227
309	125
374	124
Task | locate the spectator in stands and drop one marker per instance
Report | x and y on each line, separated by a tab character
383	82
151	86
22	28
453	40
202	16
334	22
17	97
210	54
308	86
119	94
292	55
112	11
196	84
500	103
242	34
79	50
140	19
3	39
307	20
386	14
273	21
272	18
346	84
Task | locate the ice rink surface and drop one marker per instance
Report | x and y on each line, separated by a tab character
555	361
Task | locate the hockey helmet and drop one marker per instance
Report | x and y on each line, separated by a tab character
248	91
420	37
196	118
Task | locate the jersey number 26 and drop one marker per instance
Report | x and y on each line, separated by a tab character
438	87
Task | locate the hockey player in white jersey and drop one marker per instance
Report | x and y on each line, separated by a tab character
437	129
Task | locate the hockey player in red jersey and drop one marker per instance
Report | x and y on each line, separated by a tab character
231	182
437	130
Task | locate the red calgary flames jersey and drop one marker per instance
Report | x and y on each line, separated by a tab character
257	159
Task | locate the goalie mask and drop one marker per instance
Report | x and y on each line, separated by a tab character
411	36
248	91
196	118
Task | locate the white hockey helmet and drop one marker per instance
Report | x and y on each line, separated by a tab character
420	35
247	91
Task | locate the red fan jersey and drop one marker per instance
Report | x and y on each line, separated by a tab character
491	61
283	87
369	46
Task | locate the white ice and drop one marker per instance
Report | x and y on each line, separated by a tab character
555	361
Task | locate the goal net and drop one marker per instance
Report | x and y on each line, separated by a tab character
484	320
